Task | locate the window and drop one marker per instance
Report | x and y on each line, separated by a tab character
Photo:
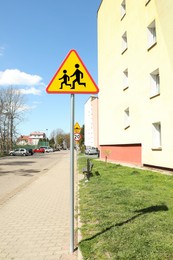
151	35
123	9
126	118
156	137
124	42
125	79
155	83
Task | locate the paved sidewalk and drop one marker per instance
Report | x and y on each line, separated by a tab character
35	223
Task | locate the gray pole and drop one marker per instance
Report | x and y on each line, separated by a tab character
72	176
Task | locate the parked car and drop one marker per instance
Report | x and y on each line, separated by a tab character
39	150
30	151
57	149
92	150
47	149
50	149
19	151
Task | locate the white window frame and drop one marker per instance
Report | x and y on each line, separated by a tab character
126	118
155	83
156	136
124	42
123	9
125	79
152	38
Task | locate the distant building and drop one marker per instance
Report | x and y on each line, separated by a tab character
24	140
91	122
36	136
135	78
31	139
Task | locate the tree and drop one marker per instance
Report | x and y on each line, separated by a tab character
82	132
11	114
53	135
106	153
67	140
52	142
60	138
82	140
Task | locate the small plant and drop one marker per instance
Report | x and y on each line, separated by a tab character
106	153
82	148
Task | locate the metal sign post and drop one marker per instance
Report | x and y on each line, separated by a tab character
72	176
72	77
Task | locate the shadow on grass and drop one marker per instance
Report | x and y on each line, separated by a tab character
140	213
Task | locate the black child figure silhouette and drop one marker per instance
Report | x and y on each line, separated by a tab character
66	78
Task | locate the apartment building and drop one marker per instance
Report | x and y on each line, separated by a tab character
91	122
135	78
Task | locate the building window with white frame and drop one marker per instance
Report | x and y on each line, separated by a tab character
123	9
156	136
126	118
125	79
155	83
152	40
124	42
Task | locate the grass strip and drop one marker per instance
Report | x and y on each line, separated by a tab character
126	213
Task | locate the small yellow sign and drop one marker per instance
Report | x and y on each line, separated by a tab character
77	128
72	78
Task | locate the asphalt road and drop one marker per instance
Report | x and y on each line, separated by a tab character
16	172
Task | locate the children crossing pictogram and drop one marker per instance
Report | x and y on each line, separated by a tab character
72	77
66	78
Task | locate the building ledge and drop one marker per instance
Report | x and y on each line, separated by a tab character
123	16
125	88
156	95
156	149
124	51
147	2
154	44
126	127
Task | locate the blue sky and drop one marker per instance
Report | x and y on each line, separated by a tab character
35	38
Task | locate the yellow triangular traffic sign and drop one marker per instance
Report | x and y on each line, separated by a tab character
77	128
72	78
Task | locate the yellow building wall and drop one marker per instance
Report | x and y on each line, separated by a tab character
140	62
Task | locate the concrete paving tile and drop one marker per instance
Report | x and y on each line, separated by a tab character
34	224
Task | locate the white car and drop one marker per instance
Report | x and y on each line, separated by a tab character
92	150
19	151
50	149
47	149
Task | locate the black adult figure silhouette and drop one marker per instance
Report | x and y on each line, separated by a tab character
78	74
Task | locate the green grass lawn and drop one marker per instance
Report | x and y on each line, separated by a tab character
126	213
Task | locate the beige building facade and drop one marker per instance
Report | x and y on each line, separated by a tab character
135	79
91	122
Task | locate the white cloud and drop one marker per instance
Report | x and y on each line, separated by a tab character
24	108
2	49
37	102
16	77
31	90
27	107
